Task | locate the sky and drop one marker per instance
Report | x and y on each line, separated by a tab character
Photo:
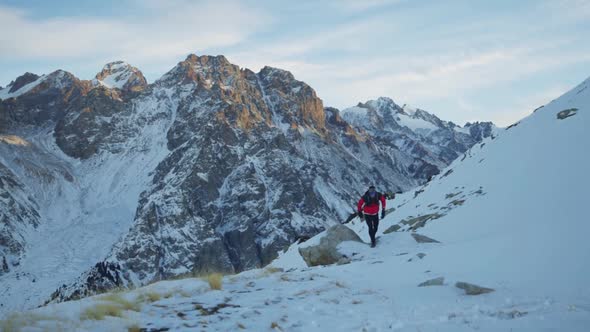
463	60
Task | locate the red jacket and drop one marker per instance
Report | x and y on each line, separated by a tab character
371	206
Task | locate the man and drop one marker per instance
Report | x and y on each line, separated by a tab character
368	208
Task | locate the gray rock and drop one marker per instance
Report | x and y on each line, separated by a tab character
433	282
423	238
471	289
566	113
420	221
326	252
391	229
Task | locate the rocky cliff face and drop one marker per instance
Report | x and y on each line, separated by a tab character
40	101
18	216
223	167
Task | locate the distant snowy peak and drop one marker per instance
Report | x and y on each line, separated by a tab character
21	85
385	113
21	81
31	83
121	75
409	110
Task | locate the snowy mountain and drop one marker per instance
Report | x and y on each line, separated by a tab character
432	143
496	242
112	182
122	76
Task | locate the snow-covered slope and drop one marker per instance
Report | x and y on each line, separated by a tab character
510	216
83	206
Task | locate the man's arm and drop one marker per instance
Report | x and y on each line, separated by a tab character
360	208
383	206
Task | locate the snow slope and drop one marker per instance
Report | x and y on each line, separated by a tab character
511	216
87	205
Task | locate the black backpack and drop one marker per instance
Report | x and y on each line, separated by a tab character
371	200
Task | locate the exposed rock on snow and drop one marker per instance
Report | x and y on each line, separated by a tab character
423	238
418	222
326	252
566	113
471	289
433	282
391	229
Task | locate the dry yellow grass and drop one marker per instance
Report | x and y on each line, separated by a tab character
118	299
215	280
17	321
100	310
148	296
134	328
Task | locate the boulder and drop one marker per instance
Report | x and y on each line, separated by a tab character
326	252
423	238
471	289
433	282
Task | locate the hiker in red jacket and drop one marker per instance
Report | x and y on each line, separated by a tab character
368	208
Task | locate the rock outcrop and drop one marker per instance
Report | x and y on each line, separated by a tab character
423	238
326	252
472	289
433	282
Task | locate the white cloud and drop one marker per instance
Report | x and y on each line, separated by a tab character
168	29
432	79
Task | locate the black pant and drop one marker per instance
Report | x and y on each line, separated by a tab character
373	223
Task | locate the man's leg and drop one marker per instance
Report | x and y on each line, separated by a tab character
372	220
369	226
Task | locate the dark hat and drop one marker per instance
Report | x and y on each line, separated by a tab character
371	187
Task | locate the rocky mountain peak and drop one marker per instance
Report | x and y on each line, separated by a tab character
203	70
304	107
268	72
384	103
43	99
121	75
207	60
21	81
